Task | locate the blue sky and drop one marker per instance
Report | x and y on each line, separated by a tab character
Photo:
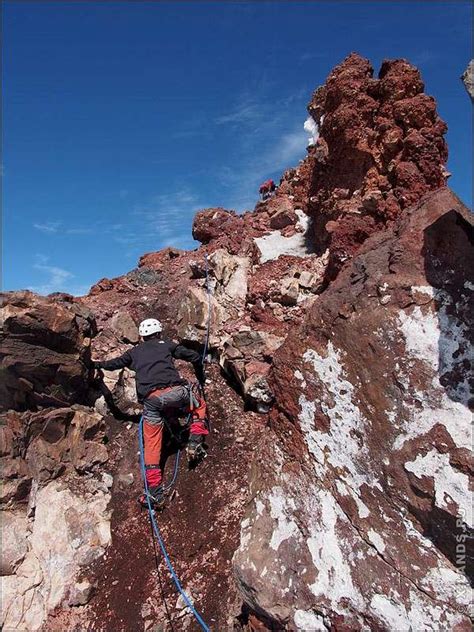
120	120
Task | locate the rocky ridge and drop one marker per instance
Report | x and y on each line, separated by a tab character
338	476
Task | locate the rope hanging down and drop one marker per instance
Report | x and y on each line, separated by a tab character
151	512
208	327
157	533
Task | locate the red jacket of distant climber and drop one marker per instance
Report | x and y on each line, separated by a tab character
267	186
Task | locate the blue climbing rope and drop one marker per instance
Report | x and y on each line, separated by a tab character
157	533
175	473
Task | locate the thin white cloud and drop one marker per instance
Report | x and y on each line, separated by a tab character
48	227
246	112
163	220
268	142
57	228
242	184
56	279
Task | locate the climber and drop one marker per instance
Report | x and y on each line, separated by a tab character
163	392
267	189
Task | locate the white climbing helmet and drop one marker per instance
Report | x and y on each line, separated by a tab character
149	326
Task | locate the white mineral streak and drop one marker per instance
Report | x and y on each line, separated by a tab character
414	614
376	540
450	485
439	340
275	244
339	447
452	585
280	508
330	553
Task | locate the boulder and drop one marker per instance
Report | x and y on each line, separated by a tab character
246	356
124	327
231	273
361	496
14	540
193	316
45	356
212	223
78	518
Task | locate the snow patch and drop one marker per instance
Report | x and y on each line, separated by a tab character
311	127
275	244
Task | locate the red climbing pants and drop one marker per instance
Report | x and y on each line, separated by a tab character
153	438
167	402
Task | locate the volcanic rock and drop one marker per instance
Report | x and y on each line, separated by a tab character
212	223
124	327
360	494
70	530
14	545
385	147
45	355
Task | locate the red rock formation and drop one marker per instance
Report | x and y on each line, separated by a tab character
380	149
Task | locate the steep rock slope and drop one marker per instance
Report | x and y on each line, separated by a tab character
365	486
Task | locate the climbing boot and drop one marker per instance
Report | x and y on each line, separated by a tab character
156	496
195	448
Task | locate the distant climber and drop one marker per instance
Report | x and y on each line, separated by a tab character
267	189
165	395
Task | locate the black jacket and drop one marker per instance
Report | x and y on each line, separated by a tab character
153	364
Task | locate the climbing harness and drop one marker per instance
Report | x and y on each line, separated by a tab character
157	534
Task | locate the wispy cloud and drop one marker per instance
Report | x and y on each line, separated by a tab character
47	227
79	231
247	111
310	55
424	57
266	140
58	228
56	279
162	220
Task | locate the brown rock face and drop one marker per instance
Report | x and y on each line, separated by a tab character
380	149
45	355
363	494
